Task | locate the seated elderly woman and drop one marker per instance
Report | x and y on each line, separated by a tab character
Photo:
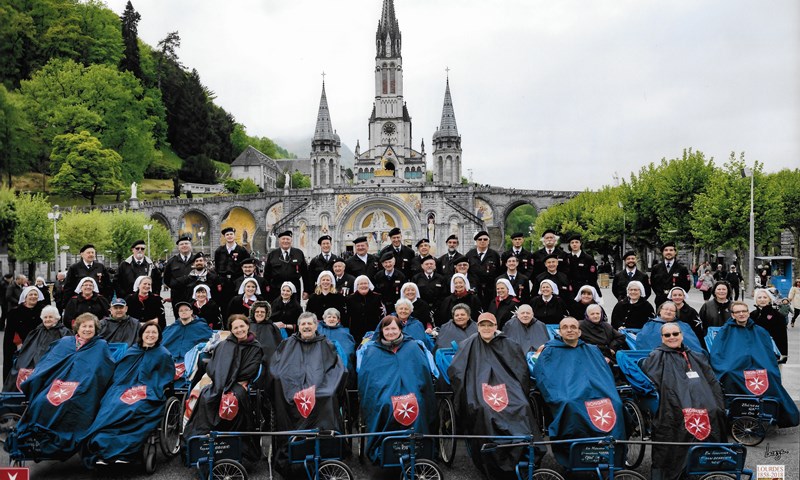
691	406
35	345
306	383
220	401
267	333
181	336
87	300
595	330
527	331
395	385
650	336
744	362
491	384
422	310
64	392
332	328
458	329
133	405
412	327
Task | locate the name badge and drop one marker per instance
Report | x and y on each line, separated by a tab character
692	374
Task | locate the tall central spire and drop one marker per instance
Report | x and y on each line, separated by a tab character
448	126
324	130
388	37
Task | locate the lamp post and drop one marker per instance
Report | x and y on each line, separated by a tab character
54	216
202	234
147	227
746	172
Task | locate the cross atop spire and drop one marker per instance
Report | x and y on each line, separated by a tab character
447	126
324	130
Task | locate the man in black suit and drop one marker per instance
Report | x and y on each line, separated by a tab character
345	283
88	266
446	266
362	263
402	254
285	264
226	263
524	257
519	281
249	270
318	264
582	267
133	267
485	264
423	251
389	281
669	273
559	278
619	287
433	287
177	267
550	241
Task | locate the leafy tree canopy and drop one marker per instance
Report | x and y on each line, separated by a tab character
81	166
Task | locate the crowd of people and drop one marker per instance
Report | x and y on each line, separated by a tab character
403	304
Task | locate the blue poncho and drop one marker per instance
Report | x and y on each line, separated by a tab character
650	335
179	339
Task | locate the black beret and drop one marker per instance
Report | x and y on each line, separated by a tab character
517	235
394	231
386	256
552	255
668	244
183	238
339	260
137	242
426	258
228	229
87	247
482	232
460	259
422	240
575	236
549	230
198	255
507	255
287	233
248	261
452	237
629	253
360	240
324	237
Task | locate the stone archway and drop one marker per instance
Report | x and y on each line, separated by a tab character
245	224
373	218
193	221
163	220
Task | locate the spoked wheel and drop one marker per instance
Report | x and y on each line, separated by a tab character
334	470
228	470
424	470
149	457
362	441
171	428
546	474
347	420
627	475
748	431
634	424
447	426
268	425
718	476
8	421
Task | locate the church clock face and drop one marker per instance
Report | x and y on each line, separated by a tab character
389	128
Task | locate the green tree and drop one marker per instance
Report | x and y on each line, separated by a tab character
8	215
15	132
521	219
125	227
787	182
32	240
232	185
78	228
248	187
298	180
81	166
198	169
130	36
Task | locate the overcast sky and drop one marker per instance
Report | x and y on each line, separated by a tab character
547	94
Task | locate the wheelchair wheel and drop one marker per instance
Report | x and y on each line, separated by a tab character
346	419
634	424
228	470
169	435
267	425
447	426
424	470
334	470
627	475
8	421
748	431
362	441
718	476
546	474
149	457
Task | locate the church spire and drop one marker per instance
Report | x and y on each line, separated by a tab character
324	130
447	126
388	38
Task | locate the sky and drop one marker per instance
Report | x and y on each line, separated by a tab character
550	95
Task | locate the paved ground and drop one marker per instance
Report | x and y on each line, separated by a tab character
781	447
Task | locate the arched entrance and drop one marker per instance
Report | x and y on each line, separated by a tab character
373	218
520	217
193	222
245	224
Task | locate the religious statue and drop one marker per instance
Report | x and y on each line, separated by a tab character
287	180
134	188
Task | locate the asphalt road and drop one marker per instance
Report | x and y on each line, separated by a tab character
781	447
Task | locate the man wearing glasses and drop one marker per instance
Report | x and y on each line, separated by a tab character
485	264
136	265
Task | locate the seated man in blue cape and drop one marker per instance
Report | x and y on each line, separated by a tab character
578	387
64	393
187	331
306	383
744	361
491	385
395	385
134	402
650	335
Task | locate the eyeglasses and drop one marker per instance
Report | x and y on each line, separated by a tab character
673	334
139	248
483	239
737	312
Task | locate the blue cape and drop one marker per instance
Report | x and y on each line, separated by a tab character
74	380
346	344
650	335
414	329
130	412
590	388
737	350
179	339
384	375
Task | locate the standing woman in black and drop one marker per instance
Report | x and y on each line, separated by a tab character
144	304
634	311
364	309
21	321
717	310
505	303
206	308
547	305
770	319
249	293
86	300
286	309
325	295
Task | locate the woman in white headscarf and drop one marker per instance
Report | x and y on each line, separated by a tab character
633	311
547	306
364	308
205	307
460	292
144	304
505	303
286	309
21	321
86	300
249	293
587	295
325	295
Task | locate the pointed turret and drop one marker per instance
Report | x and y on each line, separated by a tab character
447	127
447	144
324	130
388	38
325	157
